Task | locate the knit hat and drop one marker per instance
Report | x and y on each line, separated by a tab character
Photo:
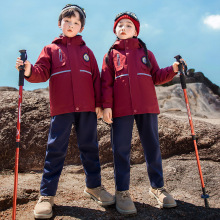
81	10
77	8
127	15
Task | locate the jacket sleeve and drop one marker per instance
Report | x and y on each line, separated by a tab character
96	80
160	76
107	83
41	71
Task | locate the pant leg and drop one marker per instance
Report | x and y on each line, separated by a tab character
148	130
57	145
121	135
86	130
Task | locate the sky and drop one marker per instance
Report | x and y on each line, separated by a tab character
168	27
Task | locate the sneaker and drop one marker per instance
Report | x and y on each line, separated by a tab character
124	204
164	199
43	208
100	195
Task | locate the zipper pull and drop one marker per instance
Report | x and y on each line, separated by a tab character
60	55
118	59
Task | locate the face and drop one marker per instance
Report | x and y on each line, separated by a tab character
71	26
125	29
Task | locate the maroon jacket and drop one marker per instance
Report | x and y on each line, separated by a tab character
73	73
127	84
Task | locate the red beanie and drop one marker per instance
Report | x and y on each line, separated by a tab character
135	22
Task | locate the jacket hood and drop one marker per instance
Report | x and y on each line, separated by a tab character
77	40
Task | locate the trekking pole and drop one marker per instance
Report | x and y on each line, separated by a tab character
21	84
183	83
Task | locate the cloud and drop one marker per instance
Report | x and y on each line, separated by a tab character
144	25
213	21
153	30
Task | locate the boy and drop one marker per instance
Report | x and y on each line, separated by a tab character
74	99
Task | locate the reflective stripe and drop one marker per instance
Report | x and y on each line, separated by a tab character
144	74
121	76
85	71
60	72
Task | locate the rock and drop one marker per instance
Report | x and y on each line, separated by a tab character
6	88
195	77
174	130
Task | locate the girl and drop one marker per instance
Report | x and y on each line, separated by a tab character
129	73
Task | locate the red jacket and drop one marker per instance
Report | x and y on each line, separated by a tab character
127	84
73	73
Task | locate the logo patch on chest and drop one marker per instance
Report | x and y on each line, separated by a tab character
86	57
144	60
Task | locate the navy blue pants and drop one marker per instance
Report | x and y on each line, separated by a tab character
85	124
121	135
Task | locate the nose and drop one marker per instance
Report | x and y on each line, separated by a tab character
70	24
123	28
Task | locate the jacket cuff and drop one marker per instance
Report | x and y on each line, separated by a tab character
107	105
98	104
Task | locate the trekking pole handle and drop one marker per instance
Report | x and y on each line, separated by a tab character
182	73
23	56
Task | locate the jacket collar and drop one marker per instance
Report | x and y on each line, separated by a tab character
77	40
132	43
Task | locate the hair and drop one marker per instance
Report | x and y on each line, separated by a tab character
71	12
148	64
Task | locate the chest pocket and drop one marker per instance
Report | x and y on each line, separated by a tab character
141	66
86	60
119	61
85	64
59	58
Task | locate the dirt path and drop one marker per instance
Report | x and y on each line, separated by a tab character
181	179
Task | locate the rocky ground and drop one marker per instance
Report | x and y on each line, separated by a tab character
181	179
179	161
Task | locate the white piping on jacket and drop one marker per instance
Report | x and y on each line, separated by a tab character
121	76
60	72
137	74
85	71
144	74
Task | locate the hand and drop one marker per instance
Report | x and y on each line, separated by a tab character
107	115
27	66
176	64
99	112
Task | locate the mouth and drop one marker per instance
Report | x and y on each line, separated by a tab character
69	30
123	33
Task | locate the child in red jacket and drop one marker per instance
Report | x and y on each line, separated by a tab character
75	98
129	73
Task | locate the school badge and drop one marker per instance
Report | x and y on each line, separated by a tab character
86	57
144	60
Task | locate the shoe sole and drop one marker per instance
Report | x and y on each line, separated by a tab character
88	195
43	216
162	205
126	212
